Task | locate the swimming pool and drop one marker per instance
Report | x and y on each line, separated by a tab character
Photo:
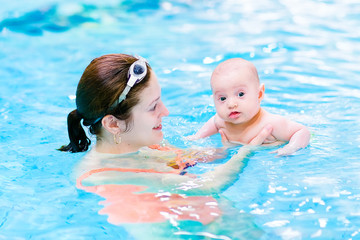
306	53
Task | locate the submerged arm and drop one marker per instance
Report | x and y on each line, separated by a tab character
225	174
204	184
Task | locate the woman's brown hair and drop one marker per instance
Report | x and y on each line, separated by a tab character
99	88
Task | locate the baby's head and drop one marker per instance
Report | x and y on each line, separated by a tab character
236	90
244	70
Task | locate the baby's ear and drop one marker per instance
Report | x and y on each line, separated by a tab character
261	92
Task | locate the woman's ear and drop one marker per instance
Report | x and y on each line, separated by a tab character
112	124
261	92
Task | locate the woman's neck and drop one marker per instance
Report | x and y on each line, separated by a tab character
120	148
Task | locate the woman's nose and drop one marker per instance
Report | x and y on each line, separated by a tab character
164	111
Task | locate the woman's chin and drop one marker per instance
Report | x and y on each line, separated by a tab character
160	138
157	138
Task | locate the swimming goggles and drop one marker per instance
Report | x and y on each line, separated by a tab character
136	73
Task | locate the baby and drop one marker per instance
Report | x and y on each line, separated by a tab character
237	94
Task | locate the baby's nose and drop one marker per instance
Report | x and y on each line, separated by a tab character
232	104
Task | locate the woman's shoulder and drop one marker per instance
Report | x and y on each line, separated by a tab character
95	160
146	157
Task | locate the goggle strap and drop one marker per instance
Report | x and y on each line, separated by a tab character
132	80
124	93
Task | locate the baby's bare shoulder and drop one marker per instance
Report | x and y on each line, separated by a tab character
283	127
274	119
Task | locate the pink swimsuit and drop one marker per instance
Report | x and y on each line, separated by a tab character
126	203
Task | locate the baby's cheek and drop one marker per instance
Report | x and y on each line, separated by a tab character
219	110
222	115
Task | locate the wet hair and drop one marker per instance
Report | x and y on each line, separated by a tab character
99	88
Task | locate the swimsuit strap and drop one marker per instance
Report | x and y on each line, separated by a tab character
177	164
134	170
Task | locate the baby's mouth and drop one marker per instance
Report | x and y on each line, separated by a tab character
234	114
158	127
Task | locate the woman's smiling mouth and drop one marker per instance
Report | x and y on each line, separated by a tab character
158	127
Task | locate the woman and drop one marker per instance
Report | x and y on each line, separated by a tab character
119	99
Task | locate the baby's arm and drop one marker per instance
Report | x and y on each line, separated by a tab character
208	129
297	134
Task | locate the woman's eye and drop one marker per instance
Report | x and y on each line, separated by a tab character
241	94
153	108
222	99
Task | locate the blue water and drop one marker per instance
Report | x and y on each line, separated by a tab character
307	54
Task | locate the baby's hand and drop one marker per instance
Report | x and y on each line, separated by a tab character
284	151
259	139
225	141
191	137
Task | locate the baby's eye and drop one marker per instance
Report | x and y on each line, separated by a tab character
222	99
241	94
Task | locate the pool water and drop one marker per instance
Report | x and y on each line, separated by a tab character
306	52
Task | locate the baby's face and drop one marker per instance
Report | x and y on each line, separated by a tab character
237	94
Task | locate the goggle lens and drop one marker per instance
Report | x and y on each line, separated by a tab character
138	69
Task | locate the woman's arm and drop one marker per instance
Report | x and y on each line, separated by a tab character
221	176
203	184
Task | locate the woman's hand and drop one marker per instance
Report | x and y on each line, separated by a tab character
259	139
264	134
224	139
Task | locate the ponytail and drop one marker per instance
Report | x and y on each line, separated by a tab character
79	142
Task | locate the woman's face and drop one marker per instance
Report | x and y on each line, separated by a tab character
146	128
